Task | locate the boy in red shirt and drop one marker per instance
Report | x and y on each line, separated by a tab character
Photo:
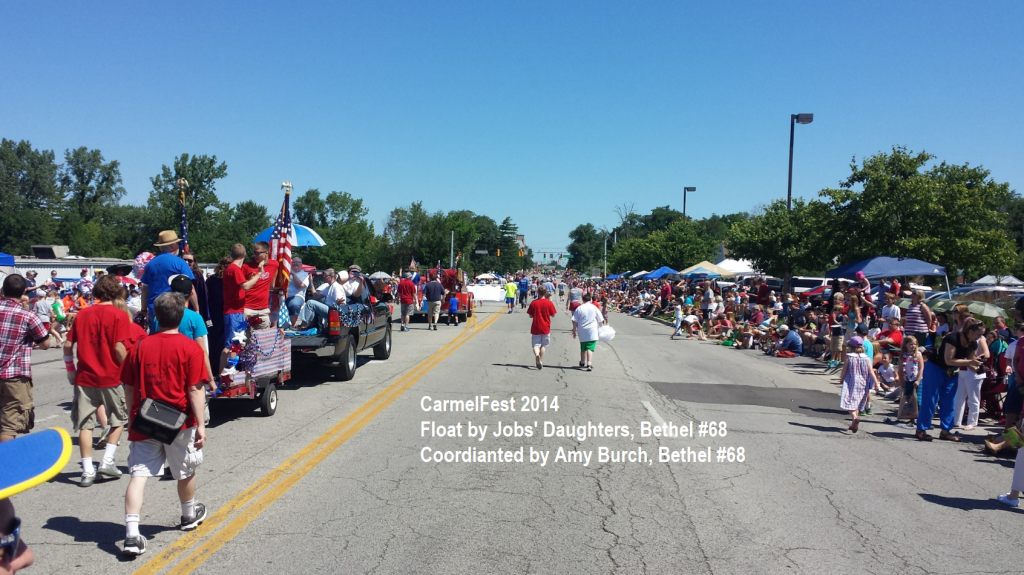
100	331
171	368
541	310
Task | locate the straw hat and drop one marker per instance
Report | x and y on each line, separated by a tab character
166	238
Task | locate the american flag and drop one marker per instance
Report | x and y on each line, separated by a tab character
281	243
184	224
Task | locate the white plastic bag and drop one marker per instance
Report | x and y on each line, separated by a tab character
605	333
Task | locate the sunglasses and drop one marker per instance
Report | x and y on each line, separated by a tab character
9	543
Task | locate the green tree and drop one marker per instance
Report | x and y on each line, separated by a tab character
29	195
345	229
680	245
781	242
209	219
947	214
586	248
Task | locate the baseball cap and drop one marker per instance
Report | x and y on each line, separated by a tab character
856	341
180	284
783	327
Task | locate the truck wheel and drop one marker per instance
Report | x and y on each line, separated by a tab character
383	349
268	400
347	363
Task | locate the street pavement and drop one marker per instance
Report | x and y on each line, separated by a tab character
335	482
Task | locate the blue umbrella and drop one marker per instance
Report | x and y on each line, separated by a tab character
301	236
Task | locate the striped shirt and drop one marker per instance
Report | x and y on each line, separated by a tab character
915	320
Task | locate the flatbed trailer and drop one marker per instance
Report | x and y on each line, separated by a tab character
273	367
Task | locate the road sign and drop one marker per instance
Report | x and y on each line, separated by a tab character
480	252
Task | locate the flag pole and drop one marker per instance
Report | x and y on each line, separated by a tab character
183	243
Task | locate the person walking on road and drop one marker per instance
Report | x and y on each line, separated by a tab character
19	330
858	380
575	298
939	382
541	310
434	293
585	322
100	334
453	309
407	299
523	288
170	368
510	294
156	277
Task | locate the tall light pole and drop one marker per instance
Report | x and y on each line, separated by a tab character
794	119
685	190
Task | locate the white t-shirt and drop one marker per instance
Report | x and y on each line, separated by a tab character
301	279
587	318
1011	351
941	330
334	293
888	373
890	315
350	287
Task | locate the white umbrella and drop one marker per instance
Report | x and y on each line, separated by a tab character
380	276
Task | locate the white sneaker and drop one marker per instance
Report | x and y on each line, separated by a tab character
1005	500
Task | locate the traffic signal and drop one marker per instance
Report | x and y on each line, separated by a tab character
499	252
545	256
520	252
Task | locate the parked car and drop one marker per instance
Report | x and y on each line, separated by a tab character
990	294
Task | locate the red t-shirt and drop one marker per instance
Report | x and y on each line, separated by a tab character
764	294
895	288
95	331
234	295
666	291
406	291
541	311
895	335
258	296
135	335
164	366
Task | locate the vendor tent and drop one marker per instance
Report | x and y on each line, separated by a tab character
701	274
658	273
1000	280
6	263
738	267
636	276
708	267
887	267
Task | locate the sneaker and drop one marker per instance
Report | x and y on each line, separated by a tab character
590	367
197	518
87	479
1005	500
582	364
435	327
109	470
866	412
134	546
536	360
101	441
832	364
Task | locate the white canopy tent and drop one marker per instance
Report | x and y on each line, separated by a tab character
738	267
1001	280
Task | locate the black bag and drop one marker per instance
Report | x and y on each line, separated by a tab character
158	420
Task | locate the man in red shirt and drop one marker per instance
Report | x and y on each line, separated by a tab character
407	298
666	293
541	310
235	287
170	368
100	331
764	292
257	297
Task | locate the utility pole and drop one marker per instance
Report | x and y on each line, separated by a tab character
605	257
451	252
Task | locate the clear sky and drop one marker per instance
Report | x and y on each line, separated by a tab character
551	112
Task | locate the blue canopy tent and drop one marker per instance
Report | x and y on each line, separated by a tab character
612	277
886	267
702	274
656	274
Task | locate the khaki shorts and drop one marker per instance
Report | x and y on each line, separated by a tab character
145	458
408	309
17	412
88	399
263	314
434	308
836	343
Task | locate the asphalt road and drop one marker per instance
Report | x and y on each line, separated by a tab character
335	481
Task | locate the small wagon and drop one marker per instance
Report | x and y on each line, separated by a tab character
273	367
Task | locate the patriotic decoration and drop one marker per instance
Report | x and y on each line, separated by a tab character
281	240
184	224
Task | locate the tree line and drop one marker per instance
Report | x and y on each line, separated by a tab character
901	204
78	203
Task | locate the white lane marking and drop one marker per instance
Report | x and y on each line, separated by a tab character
654	414
49	417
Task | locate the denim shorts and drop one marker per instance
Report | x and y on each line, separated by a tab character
1014	401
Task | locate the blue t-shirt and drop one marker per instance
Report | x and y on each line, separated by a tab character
192	325
869	350
158	271
453	305
524	285
793	343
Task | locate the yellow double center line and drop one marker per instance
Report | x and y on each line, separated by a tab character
273	485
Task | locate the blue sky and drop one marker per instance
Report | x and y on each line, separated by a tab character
551	112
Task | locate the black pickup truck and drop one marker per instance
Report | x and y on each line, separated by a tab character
365	323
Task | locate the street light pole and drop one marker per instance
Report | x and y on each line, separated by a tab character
685	190
794	119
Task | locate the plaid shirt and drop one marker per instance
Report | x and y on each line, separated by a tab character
19	328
